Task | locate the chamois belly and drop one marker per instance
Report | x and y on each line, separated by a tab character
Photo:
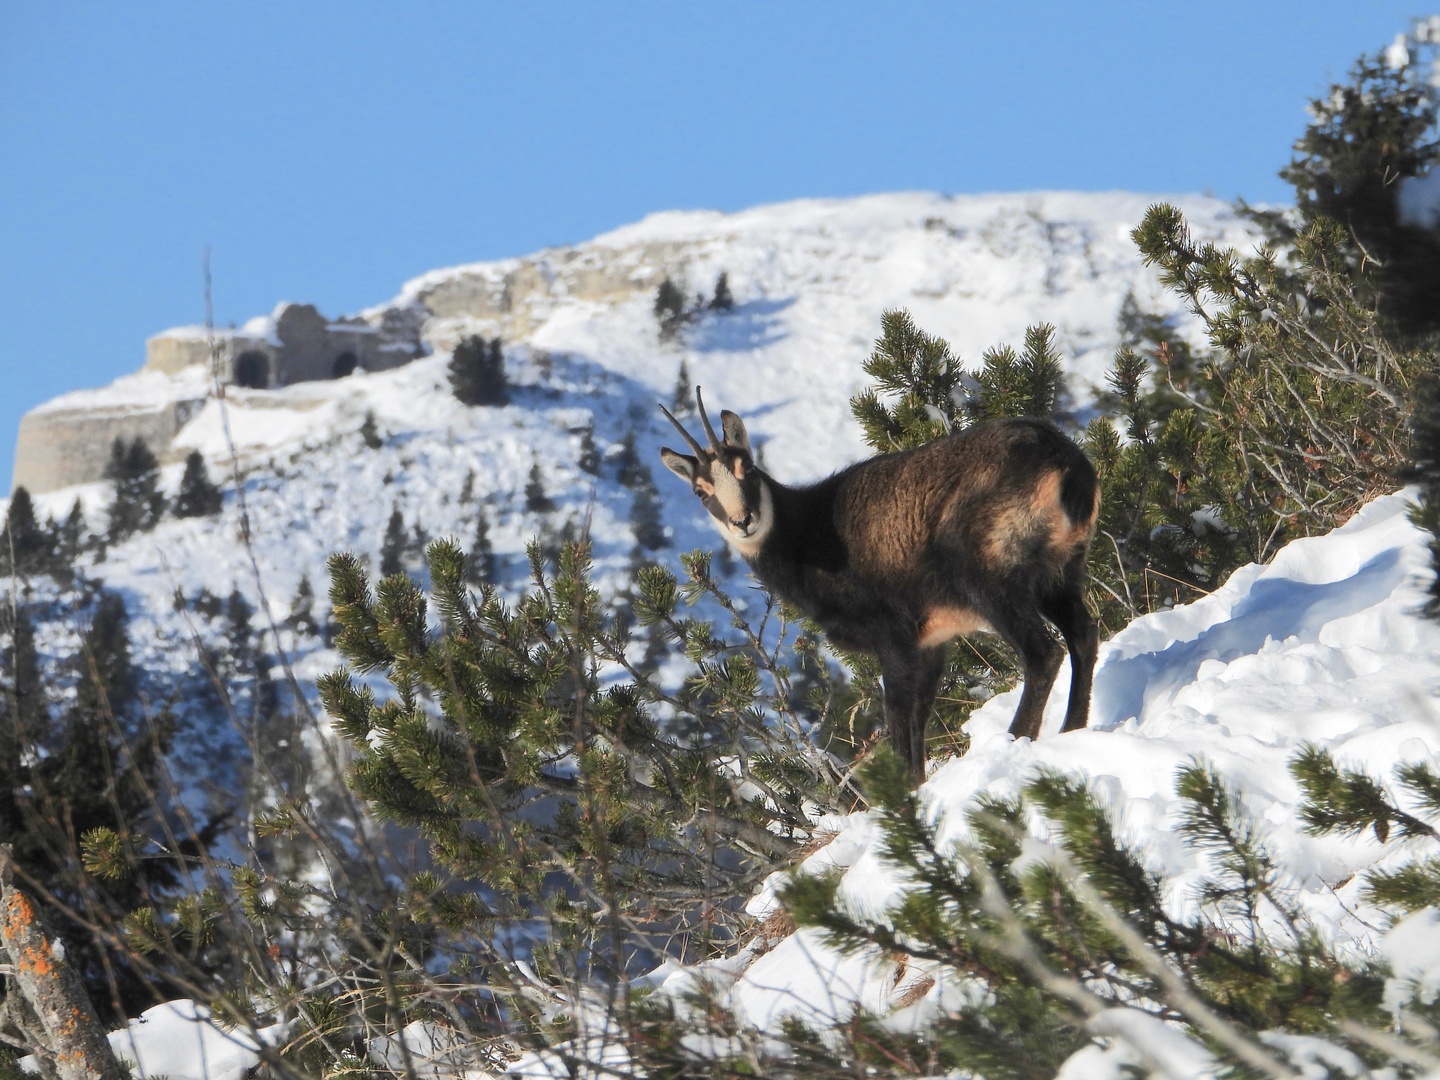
945	621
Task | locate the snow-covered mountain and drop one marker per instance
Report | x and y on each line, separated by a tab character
810	280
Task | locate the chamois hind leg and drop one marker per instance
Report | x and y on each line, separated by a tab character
1040	656
911	677
1082	637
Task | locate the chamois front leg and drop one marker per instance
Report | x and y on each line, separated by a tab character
911	677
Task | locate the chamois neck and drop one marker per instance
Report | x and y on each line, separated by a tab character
803	520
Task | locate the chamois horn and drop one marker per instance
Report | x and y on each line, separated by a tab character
699	450
709	431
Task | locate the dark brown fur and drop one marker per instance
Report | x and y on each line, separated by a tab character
893	556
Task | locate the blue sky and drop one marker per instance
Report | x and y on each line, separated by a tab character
328	151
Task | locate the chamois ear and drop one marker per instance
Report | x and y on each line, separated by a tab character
734	429
682	465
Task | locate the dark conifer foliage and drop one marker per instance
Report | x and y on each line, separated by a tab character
240	632
722	300
99	776
536	499
135	477
370	432
645	519
682	400
1366	135
392	548
24	546
302	608
589	459
70	539
480	564
631	467
198	496
670	310
477	372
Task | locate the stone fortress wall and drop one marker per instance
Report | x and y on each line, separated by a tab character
59	446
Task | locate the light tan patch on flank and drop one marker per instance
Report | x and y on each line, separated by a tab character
1023	518
943	623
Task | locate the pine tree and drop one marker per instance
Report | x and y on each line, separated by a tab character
670	310
480	564
467	489
135	475
631	467
589	459
722	300
24	714
97	785
198	497
302	608
1078	927
477	372
682	400
23	544
369	432
392	548
645	520
240	632
68	541
1027	384
1368	135
536	500
509	692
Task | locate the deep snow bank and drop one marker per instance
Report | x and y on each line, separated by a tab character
1322	645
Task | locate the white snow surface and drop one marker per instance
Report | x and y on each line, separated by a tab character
180	1040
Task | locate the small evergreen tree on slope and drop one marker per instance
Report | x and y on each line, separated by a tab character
23	546
89	768
134	475
1367	136
198	495
477	372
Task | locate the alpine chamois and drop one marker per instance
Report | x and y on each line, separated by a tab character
987	528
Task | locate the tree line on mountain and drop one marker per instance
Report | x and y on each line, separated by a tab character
582	818
136	505
673	312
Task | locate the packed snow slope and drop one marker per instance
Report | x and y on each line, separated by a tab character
1322	645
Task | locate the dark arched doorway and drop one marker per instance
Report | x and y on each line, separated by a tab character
252	370
344	364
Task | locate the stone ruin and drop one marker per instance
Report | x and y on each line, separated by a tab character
68	441
295	344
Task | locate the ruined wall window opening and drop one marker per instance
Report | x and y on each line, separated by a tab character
344	364
252	370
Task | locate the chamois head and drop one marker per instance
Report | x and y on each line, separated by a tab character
725	479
